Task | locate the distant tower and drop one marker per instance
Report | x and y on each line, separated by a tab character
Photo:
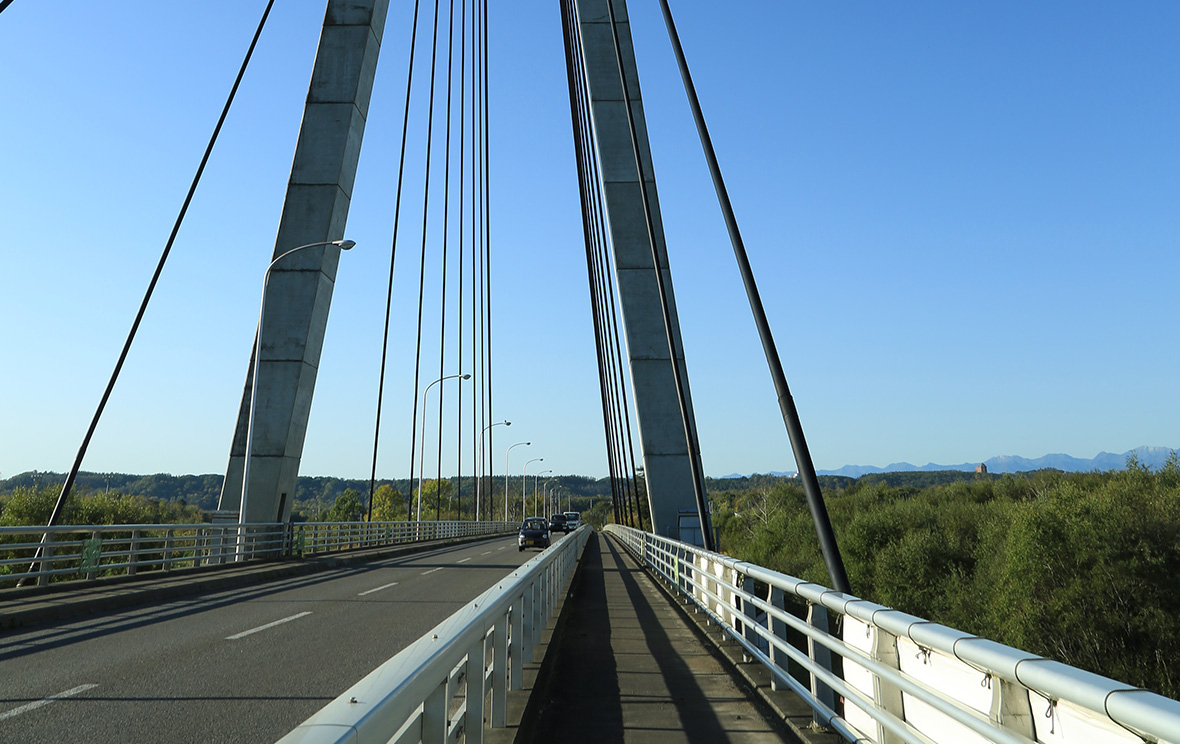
981	468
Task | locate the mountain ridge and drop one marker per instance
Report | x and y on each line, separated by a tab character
1153	457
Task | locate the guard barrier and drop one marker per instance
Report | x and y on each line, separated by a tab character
436	690
87	552
905	679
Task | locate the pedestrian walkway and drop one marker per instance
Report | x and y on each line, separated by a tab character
626	666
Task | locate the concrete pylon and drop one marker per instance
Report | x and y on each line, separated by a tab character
300	290
665	448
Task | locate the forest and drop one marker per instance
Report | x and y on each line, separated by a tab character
1079	567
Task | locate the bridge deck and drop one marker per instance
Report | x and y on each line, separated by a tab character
625	665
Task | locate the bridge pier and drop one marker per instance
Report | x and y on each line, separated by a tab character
300	292
667	458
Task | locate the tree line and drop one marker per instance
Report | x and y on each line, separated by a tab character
315	496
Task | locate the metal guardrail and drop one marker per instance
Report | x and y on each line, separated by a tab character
436	689
87	552
905	679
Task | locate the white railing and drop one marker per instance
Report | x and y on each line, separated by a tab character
904	679
87	552
436	689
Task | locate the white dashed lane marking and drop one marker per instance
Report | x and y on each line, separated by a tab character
370	591
462	560
245	633
46	701
433	570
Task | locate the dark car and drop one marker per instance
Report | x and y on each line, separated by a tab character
558	523
534	533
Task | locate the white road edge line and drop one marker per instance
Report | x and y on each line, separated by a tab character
370	591
462	560
39	703
433	570
245	633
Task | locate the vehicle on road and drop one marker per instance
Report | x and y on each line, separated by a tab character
534	533
557	523
574	520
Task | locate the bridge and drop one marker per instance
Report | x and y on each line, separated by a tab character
433	629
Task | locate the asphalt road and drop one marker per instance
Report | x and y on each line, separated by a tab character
242	666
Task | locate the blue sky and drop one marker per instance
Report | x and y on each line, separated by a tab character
963	218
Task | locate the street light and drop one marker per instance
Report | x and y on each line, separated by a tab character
479	449
518	444
535	479
422	439
545	491
343	245
524	477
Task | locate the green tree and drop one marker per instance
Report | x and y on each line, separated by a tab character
348	508
388	504
437	495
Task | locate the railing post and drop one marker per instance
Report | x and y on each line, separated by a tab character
520	613
500	672
778	628
748	617
92	555
473	729
199	545
530	599
1011	707
434	715
133	560
817	617
46	563
168	549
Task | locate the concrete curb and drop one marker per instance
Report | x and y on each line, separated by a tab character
25	607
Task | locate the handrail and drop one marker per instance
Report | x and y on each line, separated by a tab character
905	679
86	552
435	688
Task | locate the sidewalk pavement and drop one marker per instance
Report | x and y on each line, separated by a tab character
625	664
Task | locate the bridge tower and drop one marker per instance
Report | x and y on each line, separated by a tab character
300	292
668	459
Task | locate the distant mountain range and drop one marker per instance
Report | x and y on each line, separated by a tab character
1153	457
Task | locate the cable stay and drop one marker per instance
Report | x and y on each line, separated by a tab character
455	238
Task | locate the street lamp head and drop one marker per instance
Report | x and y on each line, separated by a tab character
507	422
465	376
527	444
344	245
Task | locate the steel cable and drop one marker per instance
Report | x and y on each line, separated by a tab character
422	262
819	513
397	211
442	330
77	464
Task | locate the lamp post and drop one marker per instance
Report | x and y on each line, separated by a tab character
479	449
518	444
524	478
422	439
343	245
545	491
536	478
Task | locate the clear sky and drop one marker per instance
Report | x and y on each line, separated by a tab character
964	217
